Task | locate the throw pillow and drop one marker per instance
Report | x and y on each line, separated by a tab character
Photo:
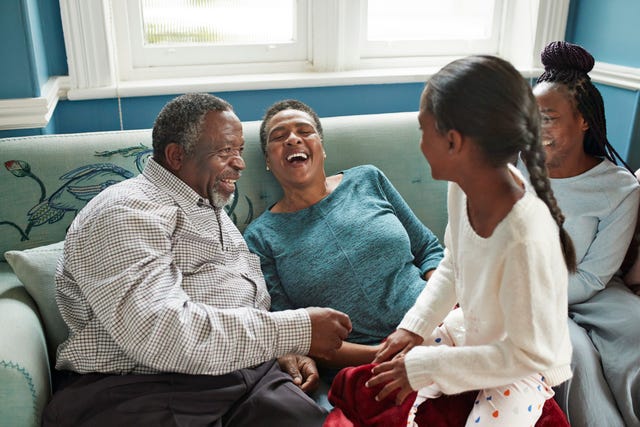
36	270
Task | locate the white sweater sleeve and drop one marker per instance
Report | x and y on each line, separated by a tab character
435	300
513	291
533	309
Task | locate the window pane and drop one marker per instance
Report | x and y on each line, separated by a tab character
429	19
217	22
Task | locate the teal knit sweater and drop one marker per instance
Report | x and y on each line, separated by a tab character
360	250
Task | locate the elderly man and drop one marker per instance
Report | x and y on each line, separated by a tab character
167	309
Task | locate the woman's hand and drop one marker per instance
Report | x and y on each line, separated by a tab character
393	375
398	343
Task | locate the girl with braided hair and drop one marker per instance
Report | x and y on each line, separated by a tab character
600	203
506	260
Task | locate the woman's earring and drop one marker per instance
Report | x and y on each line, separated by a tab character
268	168
325	154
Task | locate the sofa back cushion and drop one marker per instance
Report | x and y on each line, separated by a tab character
47	179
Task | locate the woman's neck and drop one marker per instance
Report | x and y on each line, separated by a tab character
298	198
573	166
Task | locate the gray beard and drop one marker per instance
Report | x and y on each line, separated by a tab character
219	201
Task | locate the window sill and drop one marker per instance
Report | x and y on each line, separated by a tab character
30	113
261	82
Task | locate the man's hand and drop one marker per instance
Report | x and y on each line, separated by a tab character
302	369
399	342
329	328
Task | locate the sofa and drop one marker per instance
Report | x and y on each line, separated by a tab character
47	179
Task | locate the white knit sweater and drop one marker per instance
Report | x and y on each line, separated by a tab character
512	288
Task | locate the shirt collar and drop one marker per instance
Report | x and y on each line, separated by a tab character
186	196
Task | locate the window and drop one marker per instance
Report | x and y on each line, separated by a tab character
150	47
187	33
412	28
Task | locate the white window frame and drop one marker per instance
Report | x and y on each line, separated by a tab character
98	70
407	50
137	62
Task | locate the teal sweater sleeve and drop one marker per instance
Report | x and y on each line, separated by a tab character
360	250
424	244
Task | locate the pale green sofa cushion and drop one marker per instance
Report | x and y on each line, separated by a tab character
36	270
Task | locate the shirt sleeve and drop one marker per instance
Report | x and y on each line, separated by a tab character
425	246
607	250
137	296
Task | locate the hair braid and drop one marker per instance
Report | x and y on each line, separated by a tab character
534	158
568	64
486	98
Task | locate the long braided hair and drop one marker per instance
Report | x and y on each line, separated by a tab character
486	98
568	64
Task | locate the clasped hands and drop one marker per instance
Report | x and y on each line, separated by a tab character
329	329
391	370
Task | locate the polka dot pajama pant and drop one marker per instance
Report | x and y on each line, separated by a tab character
516	404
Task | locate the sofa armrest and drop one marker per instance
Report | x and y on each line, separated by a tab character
25	377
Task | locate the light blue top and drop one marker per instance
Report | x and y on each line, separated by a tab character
600	207
360	250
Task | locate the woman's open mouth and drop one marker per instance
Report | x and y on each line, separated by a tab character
297	157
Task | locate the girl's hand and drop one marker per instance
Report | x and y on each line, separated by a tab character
393	375
399	342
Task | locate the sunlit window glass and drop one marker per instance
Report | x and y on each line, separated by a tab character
429	19
217	22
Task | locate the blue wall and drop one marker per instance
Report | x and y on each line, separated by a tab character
18	68
611	32
140	112
608	29
33	49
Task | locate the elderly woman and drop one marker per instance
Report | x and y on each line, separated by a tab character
347	241
600	202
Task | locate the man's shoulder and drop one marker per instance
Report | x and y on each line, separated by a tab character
136	193
113	193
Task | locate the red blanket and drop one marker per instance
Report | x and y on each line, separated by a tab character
355	406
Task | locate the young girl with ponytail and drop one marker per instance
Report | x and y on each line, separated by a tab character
506	260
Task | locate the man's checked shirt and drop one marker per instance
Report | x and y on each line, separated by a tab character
154	279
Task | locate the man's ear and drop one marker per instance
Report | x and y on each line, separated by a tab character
174	156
